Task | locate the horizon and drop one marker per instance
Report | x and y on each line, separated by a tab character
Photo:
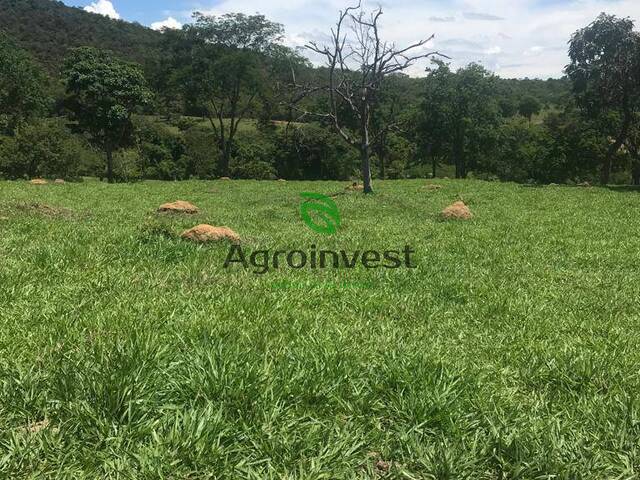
524	40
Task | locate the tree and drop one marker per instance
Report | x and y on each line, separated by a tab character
460	113
223	67
632	144
434	119
22	87
528	107
102	94
46	148
358	61
605	71
392	117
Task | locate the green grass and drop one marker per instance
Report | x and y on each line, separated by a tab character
512	351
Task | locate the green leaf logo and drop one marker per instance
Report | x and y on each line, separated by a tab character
320	213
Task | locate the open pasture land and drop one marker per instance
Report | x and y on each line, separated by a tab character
511	351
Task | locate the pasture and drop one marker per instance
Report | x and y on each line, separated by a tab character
511	351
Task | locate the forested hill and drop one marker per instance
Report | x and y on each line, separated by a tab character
48	28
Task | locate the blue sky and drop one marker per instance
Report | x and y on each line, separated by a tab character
514	38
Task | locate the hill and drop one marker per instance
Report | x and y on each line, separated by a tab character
48	28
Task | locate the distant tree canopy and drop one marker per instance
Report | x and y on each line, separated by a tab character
102	94
529	106
228	68
218	98
605	71
22	87
48	29
460	110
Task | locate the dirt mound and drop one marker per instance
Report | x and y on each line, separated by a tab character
433	187
355	187
37	427
457	211
208	233
59	181
38	181
43	209
179	206
224	178
281	180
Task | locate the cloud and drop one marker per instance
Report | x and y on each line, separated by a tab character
531	41
442	19
170	23
103	7
533	51
481	16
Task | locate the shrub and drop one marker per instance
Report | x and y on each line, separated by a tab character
255	169
253	156
161	150
399	154
126	165
201	153
312	152
48	149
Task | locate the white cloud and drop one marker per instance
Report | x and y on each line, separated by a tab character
103	7
170	23
534	51
513	38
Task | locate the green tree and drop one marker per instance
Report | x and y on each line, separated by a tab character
22	87
528	107
605	71
392	119
103	92
46	148
459	114
223	66
436	115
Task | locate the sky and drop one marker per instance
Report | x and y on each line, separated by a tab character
513	38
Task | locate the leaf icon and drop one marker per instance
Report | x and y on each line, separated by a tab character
320	213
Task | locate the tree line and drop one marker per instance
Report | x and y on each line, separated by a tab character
223	96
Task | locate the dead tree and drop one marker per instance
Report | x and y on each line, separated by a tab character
357	63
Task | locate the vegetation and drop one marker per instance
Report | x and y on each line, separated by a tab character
506	349
49	29
510	353
102	95
228	105
605	68
21	87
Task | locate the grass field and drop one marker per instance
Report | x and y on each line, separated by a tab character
512	351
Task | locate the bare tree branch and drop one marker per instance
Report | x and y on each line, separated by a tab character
357	65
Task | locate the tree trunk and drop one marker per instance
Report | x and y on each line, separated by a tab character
109	165
605	172
366	168
225	160
458	153
364	148
381	158
635	166
434	161
458	156
635	172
